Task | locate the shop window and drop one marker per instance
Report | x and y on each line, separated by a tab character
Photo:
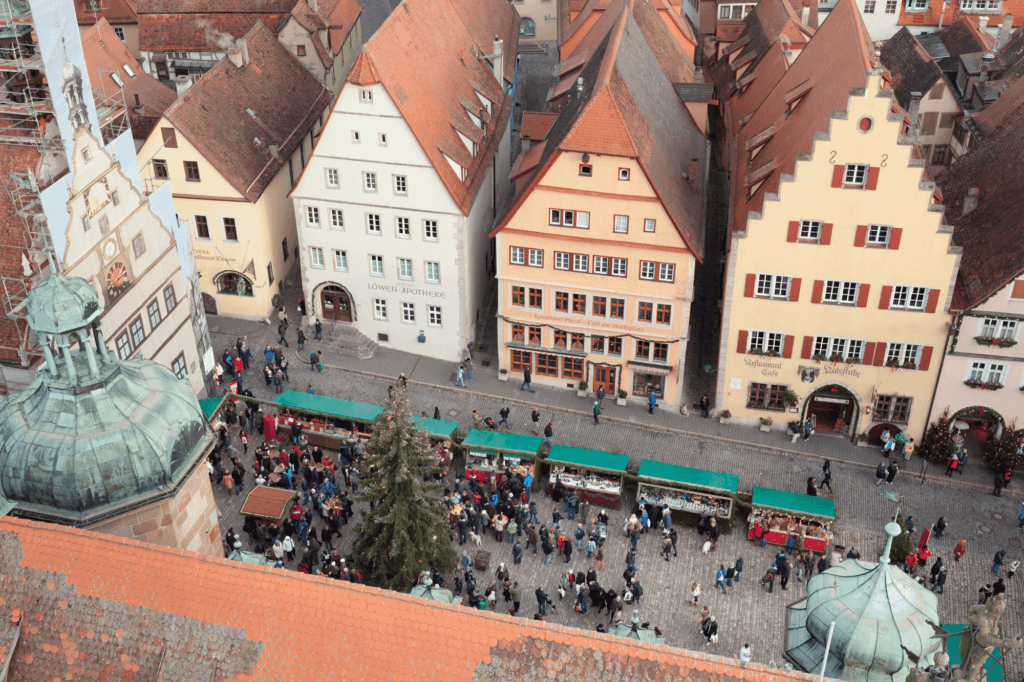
644	384
766	396
572	368
521	360
892	408
547	365
519	333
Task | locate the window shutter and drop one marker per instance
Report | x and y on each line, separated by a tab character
748	290
808	347
794	289
862	297
895	237
826	234
794	231
873	177
883	303
741	344
869	352
879	354
819	286
787	346
933	300
1018	289
837	175
861	237
926	358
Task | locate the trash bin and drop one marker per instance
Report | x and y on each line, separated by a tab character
482	560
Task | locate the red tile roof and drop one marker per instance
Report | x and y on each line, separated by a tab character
629	108
104	51
203	7
834	62
101	607
537	124
930	17
116	12
199	32
269	503
963	37
426	57
589	13
286	99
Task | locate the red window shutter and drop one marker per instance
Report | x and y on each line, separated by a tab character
933	300
883	303
837	175
826	234
741	344
819	286
787	346
873	177
879	353
794	231
862	298
926	358
748	290
869	352
862	235
808	347
794	289
895	237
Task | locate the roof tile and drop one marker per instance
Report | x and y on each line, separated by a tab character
910	67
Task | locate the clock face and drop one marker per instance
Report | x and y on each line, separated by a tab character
118	280
109	249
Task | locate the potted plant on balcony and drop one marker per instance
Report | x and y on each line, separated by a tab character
766	424
724	416
581	390
502	375
621	399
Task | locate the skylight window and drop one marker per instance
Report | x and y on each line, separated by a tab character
128	70
117	79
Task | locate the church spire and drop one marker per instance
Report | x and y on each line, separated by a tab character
71	86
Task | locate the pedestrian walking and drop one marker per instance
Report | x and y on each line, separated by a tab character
705	405
549	433
526	380
278	378
468	364
666	545
517	598
460	377
542	601
535	419
826	480
600	395
739	569
745	656
984	593
811	489
319	328
282	329
720	578
940	582
710	630
997	562
960	550
694	593
597	413
1014	565
893	470
652	402
951	464
301	338
880	474
940	526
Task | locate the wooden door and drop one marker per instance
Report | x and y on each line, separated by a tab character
605	376
335	304
209	304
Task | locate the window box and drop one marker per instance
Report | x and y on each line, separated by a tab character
818	357
853	360
766	353
896	364
992	341
984	385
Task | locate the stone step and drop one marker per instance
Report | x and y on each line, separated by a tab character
342	339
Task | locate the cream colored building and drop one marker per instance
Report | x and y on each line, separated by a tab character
116	242
232	147
325	36
840	266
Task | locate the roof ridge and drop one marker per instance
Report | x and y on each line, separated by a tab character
363	71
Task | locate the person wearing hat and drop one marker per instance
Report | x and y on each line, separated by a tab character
501	573
597	413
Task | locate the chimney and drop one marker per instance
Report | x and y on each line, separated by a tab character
982	24
274	150
526	143
805	13
138	108
970	201
312	5
694	175
181	84
239	54
914	108
498	60
1005	30
986	66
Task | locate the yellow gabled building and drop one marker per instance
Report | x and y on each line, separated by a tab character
840	265
604	224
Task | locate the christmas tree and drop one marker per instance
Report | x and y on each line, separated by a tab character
1004	452
937	444
407	531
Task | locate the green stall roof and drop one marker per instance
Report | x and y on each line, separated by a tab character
438	428
503	442
330	407
673	473
588	459
819	507
210	405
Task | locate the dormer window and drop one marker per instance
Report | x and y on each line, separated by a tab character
300	50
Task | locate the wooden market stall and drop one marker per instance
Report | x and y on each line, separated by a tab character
209	406
325	421
440	433
595	476
778	514
494	452
689	490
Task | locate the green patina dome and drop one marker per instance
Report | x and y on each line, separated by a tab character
79	445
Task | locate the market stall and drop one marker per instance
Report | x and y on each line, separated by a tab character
595	476
778	514
440	433
209	406
493	452
684	489
327	422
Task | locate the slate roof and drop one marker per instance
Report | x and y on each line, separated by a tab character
910	66
114	11
695	92
424	57
101	607
992	234
285	97
995	115
963	37
629	108
835	61
104	51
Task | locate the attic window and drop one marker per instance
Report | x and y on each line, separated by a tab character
117	79
865	124
795	96
586	170
623	174
366	96
86	155
300	50
758	142
128	70
251	113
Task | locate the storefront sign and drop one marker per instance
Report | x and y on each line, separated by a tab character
840	401
204	254
842	370
768	368
594	323
408	291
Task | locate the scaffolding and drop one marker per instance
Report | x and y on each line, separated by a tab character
111	108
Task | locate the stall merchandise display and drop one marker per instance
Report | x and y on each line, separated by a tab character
778	528
586	480
479	464
686	500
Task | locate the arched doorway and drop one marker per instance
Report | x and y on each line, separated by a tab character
335	303
977	425
834	408
209	304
